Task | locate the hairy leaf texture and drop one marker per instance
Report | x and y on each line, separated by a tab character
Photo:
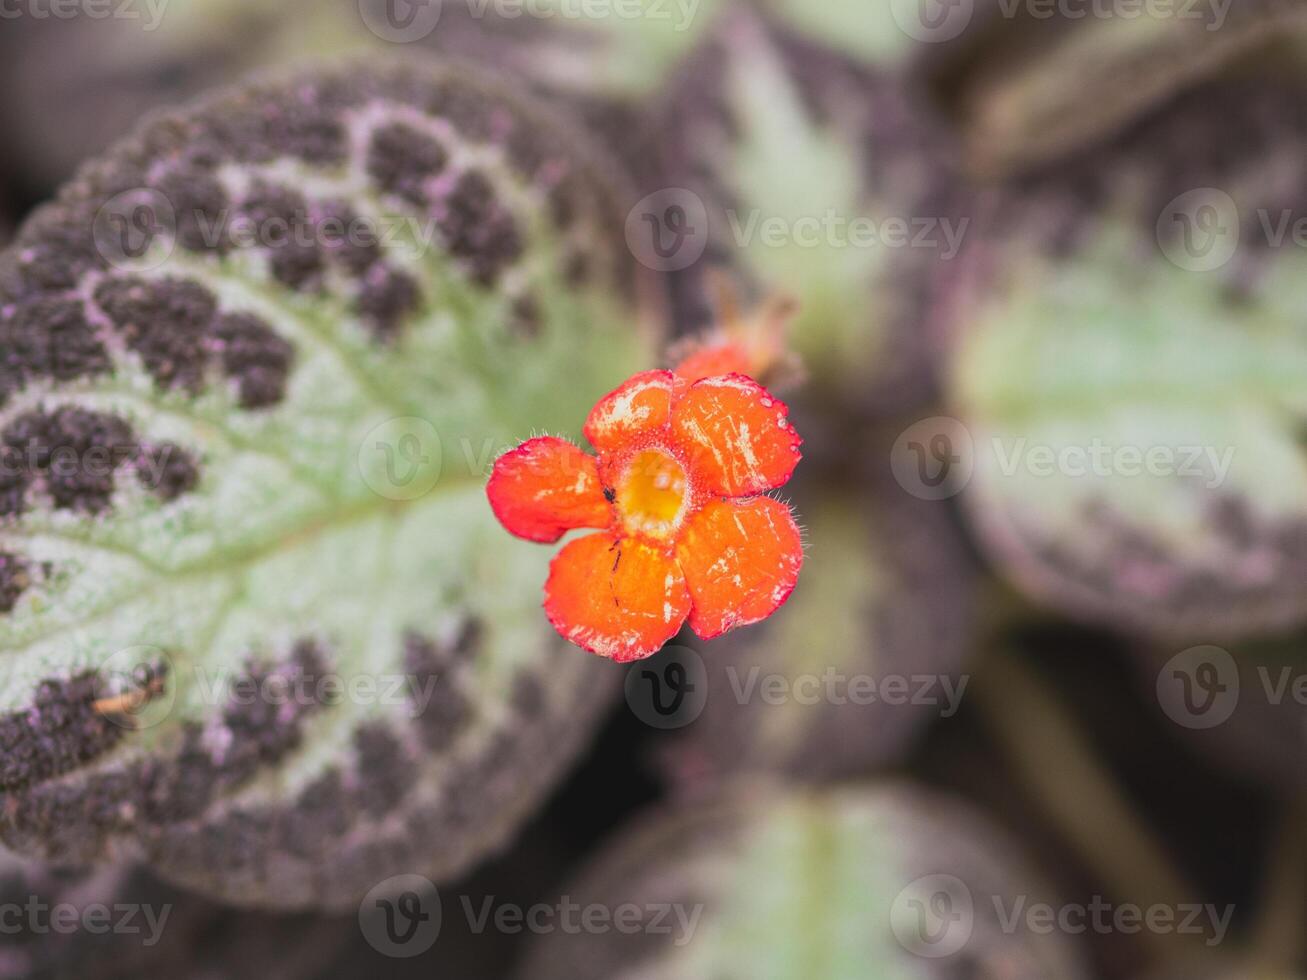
258	625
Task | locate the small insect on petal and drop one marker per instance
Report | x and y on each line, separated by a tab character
621	599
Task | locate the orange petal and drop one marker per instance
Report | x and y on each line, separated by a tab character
713	360
641	405
736	436
546	487
619	598
741	560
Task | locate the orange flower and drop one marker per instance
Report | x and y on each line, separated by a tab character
751	343
676	491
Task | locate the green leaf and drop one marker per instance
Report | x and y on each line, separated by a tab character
621	53
1134	392
871	33
882	882
1055	87
325	406
1240	707
867	651
828	181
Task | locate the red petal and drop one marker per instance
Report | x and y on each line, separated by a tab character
546	487
741	560
642	405
619	598
710	361
736	436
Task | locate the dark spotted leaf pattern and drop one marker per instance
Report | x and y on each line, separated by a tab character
259	627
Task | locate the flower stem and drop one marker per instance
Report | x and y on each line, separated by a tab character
1277	942
1071	786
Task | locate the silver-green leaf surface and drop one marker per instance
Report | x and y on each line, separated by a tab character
827	179
860	883
1129	364
258	623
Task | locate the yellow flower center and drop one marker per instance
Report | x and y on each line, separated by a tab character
652	494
